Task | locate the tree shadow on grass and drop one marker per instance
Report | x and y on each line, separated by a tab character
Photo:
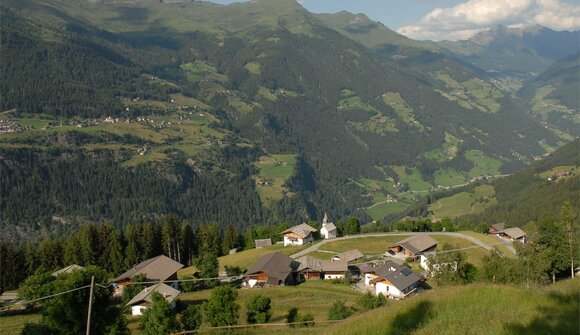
562	317
412	319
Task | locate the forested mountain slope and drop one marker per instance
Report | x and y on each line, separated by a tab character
202	95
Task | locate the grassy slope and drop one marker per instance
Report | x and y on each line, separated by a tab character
475	309
464	203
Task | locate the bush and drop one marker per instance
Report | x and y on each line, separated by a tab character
370	301
259	309
339	311
307	320
191	317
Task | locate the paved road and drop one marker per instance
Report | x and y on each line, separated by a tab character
315	247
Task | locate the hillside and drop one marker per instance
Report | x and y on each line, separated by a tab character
475	309
209	99
515	54
553	95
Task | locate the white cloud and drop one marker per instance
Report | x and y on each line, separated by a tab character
464	20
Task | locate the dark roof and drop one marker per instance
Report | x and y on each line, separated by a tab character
350	255
334	266
168	292
156	268
417	243
376	268
309	263
276	265
68	269
403	278
301	230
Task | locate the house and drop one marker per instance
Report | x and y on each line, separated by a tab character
309	268
514	234
397	283
68	269
328	230
160	268
413	246
334	269
348	256
263	243
496	228
373	271
314	268
144	298
271	270
298	235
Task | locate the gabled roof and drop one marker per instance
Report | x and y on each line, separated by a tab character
276	265
514	232
336	266
68	269
329	227
417	243
309	263
403	278
378	269
145	296
350	255
301	230
156	268
498	226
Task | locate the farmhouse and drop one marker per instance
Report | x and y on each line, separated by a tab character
298	235
314	268
328	230
266	242
413	246
496	228
160	268
271	270
348	256
144	298
514	234
68	269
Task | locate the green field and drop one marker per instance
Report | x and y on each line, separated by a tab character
464	203
472	94
447	151
274	172
377	212
14	324
572	169
449	177
253	68
484	165
474	309
405	112
490	240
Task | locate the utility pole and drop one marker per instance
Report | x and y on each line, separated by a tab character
90	305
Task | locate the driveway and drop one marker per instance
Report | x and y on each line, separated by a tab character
315	247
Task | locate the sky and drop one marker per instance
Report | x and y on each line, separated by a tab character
454	19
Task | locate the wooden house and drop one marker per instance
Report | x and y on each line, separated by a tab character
273	269
496	228
348	256
299	235
513	234
160	268
413	246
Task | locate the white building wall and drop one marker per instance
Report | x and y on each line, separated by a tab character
138	310
293	241
327	234
387	290
333	276
368	278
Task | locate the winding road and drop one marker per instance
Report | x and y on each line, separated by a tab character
475	241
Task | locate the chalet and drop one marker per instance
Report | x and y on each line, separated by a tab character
160	268
496	228
328	230
309	268
298	235
513	234
396	283
314	268
144	298
266	242
271	270
373	271
348	256
68	269
413	246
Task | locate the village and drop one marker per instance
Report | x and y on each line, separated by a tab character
390	275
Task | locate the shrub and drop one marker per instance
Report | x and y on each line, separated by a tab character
259	309
339	311
191	317
370	301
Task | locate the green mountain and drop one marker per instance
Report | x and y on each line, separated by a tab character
553	95
250	113
513	54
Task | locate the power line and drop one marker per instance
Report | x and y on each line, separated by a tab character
47	297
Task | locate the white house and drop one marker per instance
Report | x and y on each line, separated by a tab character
298	235
144	298
391	280
328	230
